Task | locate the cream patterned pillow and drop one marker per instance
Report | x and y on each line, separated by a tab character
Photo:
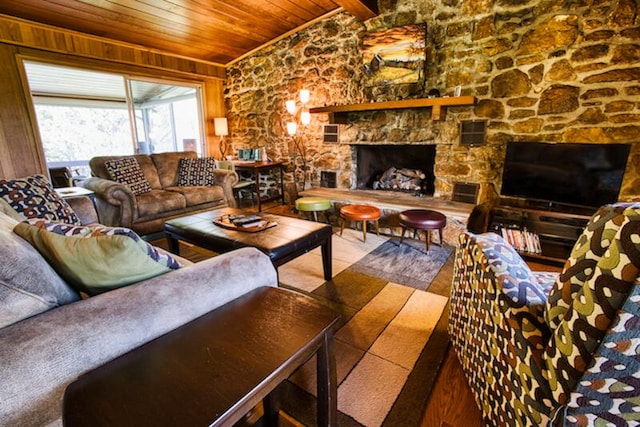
196	172
34	197
127	171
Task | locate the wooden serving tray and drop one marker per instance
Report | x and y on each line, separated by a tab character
225	222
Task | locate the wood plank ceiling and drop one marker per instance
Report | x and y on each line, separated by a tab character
217	31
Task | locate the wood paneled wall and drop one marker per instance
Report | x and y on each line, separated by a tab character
21	152
20	155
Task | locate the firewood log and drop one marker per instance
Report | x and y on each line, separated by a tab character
412	173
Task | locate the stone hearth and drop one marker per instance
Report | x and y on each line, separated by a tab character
391	203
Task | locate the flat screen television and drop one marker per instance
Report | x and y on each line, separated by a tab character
565	173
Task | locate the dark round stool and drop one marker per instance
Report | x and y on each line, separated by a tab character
362	213
423	219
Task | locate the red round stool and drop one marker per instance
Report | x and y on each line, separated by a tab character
423	219
362	213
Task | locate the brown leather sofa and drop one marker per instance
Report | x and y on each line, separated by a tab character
145	213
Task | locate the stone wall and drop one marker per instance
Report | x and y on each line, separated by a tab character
558	71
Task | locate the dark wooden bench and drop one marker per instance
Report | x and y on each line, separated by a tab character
215	369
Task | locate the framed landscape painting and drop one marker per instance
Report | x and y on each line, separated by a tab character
395	56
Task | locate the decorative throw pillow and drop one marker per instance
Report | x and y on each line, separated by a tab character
34	197
97	258
196	172
127	171
28	284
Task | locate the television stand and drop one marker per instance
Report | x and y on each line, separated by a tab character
546	235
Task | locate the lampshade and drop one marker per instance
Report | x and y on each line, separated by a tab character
304	96
292	127
305	117
291	106
220	126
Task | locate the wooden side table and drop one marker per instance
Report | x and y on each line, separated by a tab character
215	369
257	168
66	192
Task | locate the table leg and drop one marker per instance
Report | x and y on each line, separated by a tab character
327	387
174	245
326	259
258	196
282	183
271	406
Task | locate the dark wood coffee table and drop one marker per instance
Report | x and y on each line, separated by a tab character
215	369
289	239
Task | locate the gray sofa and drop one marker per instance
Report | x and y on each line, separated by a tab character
145	213
40	355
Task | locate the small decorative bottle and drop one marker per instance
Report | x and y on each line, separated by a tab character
265	158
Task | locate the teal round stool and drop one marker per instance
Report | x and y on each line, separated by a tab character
312	204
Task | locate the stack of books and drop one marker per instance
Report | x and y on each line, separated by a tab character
522	240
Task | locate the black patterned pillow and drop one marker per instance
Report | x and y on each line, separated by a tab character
34	197
127	171
195	172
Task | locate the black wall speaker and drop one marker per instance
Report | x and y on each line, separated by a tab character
331	133
465	192
473	132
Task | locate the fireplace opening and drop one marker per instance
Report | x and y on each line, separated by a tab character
396	162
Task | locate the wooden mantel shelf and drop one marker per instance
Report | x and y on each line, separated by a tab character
340	112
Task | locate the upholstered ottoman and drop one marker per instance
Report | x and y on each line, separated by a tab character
362	213
423	219
313	204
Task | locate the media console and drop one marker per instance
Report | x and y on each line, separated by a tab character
545	232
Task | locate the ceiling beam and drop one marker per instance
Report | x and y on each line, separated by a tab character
361	9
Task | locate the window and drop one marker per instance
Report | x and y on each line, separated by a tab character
82	114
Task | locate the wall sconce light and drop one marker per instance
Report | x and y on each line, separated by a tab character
221	129
304	115
298	149
304	96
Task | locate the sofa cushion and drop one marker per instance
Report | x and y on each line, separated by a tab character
198	195
127	171
96	259
159	202
196	172
167	165
28	285
6	209
34	197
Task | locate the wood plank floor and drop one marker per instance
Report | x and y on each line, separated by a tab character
451	402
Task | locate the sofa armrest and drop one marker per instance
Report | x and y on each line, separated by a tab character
115	202
41	355
84	207
226	179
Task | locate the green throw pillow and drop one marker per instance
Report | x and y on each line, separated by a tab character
96	259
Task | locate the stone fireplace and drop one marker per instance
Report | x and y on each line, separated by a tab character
375	161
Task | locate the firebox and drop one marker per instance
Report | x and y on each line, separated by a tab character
396	162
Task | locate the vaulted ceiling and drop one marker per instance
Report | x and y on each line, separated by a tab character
218	31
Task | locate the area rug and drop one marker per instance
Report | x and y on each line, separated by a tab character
409	263
393	337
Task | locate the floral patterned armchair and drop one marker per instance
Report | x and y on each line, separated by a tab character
552	349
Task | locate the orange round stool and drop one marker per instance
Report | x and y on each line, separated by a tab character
362	213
